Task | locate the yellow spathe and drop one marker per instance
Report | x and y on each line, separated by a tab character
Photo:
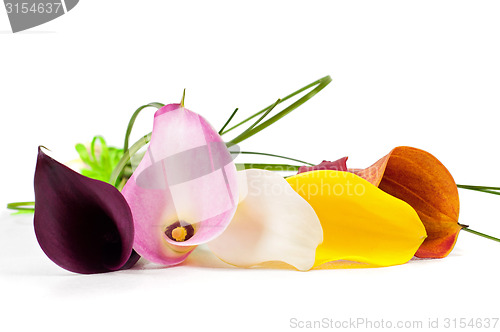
360	222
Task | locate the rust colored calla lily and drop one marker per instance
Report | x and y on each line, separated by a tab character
420	179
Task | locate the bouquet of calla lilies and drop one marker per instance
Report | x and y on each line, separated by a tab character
160	201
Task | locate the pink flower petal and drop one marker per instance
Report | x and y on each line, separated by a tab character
187	176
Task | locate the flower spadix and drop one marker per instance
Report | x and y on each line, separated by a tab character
184	191
83	225
360	222
272	224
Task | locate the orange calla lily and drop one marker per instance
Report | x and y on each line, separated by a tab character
420	179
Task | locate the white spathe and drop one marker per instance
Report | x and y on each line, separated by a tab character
272	223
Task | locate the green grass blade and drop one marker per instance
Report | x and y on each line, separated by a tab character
227	122
132	121
269	167
22	206
487	190
467	229
262	117
271	155
320	84
465	186
326	79
118	170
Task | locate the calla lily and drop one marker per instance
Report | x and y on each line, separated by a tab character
420	179
184	191
272	223
83	225
360	222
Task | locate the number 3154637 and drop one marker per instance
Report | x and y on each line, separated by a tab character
35	8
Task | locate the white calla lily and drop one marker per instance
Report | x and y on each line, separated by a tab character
272	223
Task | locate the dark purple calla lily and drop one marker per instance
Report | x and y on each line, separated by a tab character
81	224
337	165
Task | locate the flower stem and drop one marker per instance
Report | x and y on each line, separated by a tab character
270	155
484	189
466	186
467	229
118	171
262	117
227	122
269	167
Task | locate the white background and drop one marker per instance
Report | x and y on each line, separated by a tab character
418	73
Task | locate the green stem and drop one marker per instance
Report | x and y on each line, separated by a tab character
271	155
262	117
22	206
132	121
227	122
488	190
183	97
118	171
320	84
466	186
481	234
269	167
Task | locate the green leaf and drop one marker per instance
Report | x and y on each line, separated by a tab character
100	164
84	155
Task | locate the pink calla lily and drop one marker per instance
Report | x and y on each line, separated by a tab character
184	192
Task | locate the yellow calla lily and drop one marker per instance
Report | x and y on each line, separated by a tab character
360	222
